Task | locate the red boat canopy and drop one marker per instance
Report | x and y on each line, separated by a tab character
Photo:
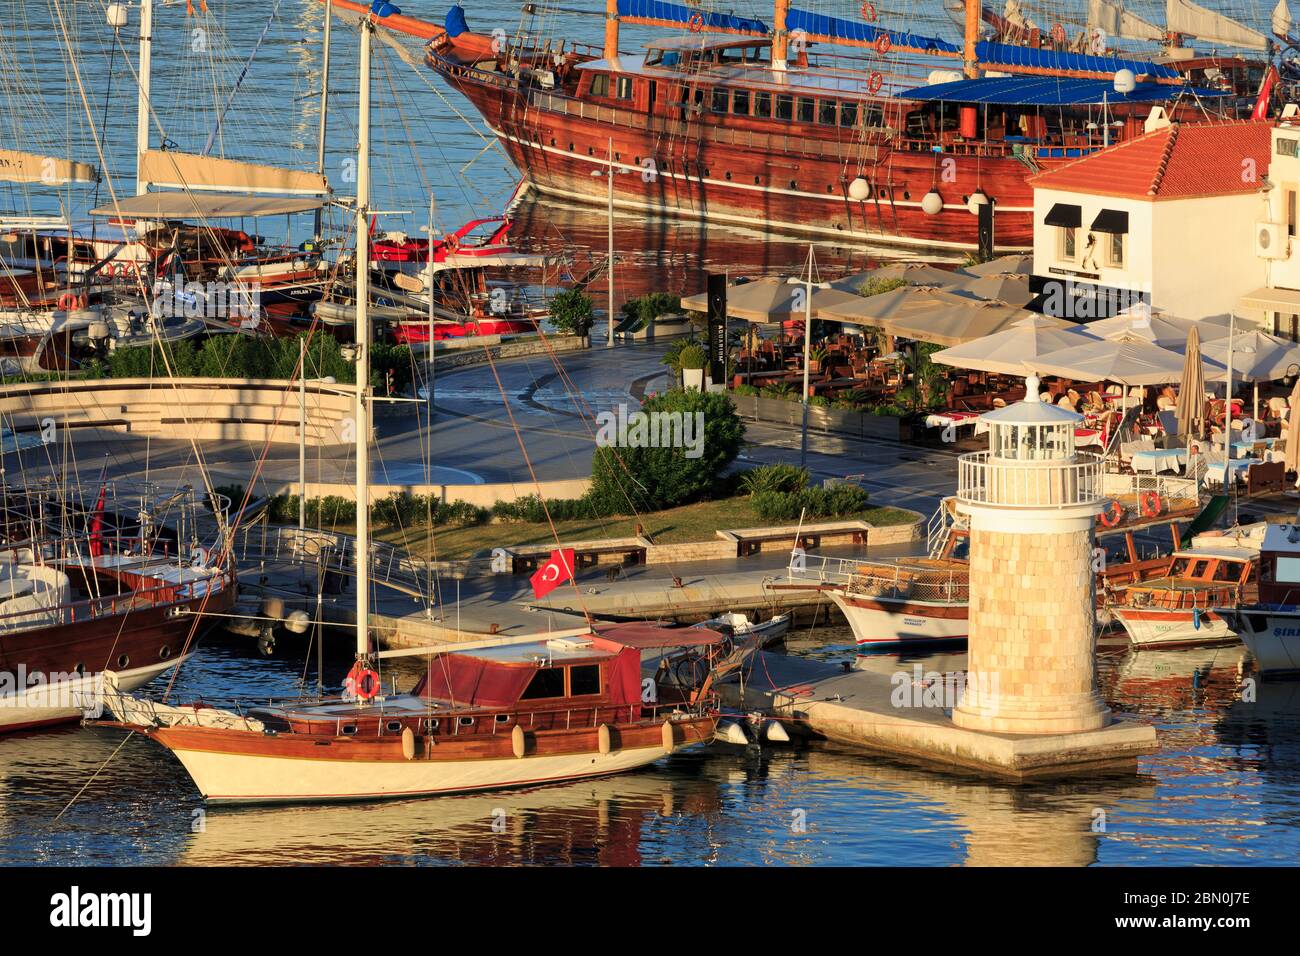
474	680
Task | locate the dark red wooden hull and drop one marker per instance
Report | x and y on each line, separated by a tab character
739	177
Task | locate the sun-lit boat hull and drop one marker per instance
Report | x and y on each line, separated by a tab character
1164	627
249	767
880	622
1271	635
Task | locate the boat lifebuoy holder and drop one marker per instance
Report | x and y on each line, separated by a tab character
1150	504
363	682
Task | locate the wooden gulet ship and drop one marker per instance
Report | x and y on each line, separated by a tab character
734	123
481	718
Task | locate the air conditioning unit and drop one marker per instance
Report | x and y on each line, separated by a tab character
1271	240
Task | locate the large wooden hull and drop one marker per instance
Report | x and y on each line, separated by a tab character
246	767
778	182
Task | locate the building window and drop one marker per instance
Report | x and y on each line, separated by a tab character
624	88
1117	250
785	107
1290	212
720	99
1069	243
600	84
807	109
848	114
740	102
826	114
763	104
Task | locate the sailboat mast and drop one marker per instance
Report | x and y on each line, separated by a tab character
324	105
970	62
363	349
142	106
780	36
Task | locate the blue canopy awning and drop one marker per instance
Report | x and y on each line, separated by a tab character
1047	91
1008	54
820	25
680	13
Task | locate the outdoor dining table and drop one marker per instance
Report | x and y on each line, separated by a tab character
957	419
1156	460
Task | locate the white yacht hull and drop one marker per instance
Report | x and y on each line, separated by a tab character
1163	627
1273	638
878	622
69	700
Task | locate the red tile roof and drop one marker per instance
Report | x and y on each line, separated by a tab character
1177	162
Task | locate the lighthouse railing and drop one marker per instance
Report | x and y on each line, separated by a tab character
983	478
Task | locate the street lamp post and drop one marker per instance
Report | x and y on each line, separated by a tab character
808	285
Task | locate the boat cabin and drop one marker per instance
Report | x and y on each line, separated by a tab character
1279	565
1198	578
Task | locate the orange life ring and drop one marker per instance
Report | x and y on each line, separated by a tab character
70	301
696	22
451	243
363	681
868	11
883	43
1058	33
875	83
1111	514
1151	504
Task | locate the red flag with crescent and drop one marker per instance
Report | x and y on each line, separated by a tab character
553	573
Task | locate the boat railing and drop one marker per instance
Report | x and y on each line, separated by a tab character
333	552
901	580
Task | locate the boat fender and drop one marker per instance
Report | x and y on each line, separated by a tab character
603	737
408	743
518	741
1196	618
668	736
731	732
1151	504
774	732
1111	514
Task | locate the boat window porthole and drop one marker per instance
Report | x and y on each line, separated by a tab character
502	718
727	174
906	195
758	180
793	184
570	147
591	150
122	661
431	725
636	161
80	668
349	729
164	652
467	721
394	726
552	140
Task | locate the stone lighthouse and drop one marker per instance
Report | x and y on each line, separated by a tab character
1031	499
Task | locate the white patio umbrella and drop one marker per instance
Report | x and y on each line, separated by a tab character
1126	358
1004	286
1016	348
1256	357
913	273
880	308
1165	331
953	319
771	300
1020	263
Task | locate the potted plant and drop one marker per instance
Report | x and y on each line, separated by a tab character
691	359
816	359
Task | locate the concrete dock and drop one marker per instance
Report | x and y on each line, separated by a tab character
887	711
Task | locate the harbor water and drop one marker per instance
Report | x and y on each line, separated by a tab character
1224	789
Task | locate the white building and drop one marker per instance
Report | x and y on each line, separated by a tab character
1168	216
1277	295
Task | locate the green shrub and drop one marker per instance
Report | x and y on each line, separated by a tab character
780	477
746	390
817	502
779	390
664	477
692	357
876	286
571	311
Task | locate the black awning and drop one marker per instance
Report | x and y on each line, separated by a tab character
1112	221
1066	215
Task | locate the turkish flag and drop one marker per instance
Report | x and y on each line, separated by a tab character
553	573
